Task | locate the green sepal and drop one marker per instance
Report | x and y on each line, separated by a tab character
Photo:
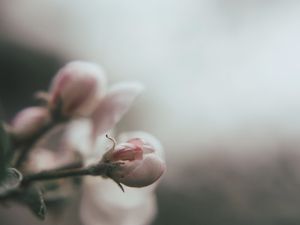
33	198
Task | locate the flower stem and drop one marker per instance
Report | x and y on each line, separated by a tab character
102	169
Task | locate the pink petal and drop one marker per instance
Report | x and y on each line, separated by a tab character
150	143
115	104
29	121
79	85
130	152
149	171
136	141
89	89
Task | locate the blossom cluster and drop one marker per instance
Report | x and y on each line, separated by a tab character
75	124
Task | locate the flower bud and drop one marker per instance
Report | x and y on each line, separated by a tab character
140	164
78	86
29	121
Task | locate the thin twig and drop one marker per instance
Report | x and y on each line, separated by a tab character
94	170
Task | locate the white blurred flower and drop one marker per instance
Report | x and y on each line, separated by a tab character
84	133
103	203
50	152
78	136
114	105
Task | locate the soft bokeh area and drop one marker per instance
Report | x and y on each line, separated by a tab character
222	94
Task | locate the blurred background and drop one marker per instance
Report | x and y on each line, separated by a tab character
222	79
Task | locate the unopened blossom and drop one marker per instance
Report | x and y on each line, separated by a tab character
77	88
29	121
140	163
104	203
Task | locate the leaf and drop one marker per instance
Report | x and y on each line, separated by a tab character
33	198
4	151
11	181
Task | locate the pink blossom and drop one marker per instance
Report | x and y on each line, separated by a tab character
29	121
79	86
140	163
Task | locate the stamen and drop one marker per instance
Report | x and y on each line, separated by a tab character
112	140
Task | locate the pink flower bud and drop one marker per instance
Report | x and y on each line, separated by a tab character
29	121
140	163
79	86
